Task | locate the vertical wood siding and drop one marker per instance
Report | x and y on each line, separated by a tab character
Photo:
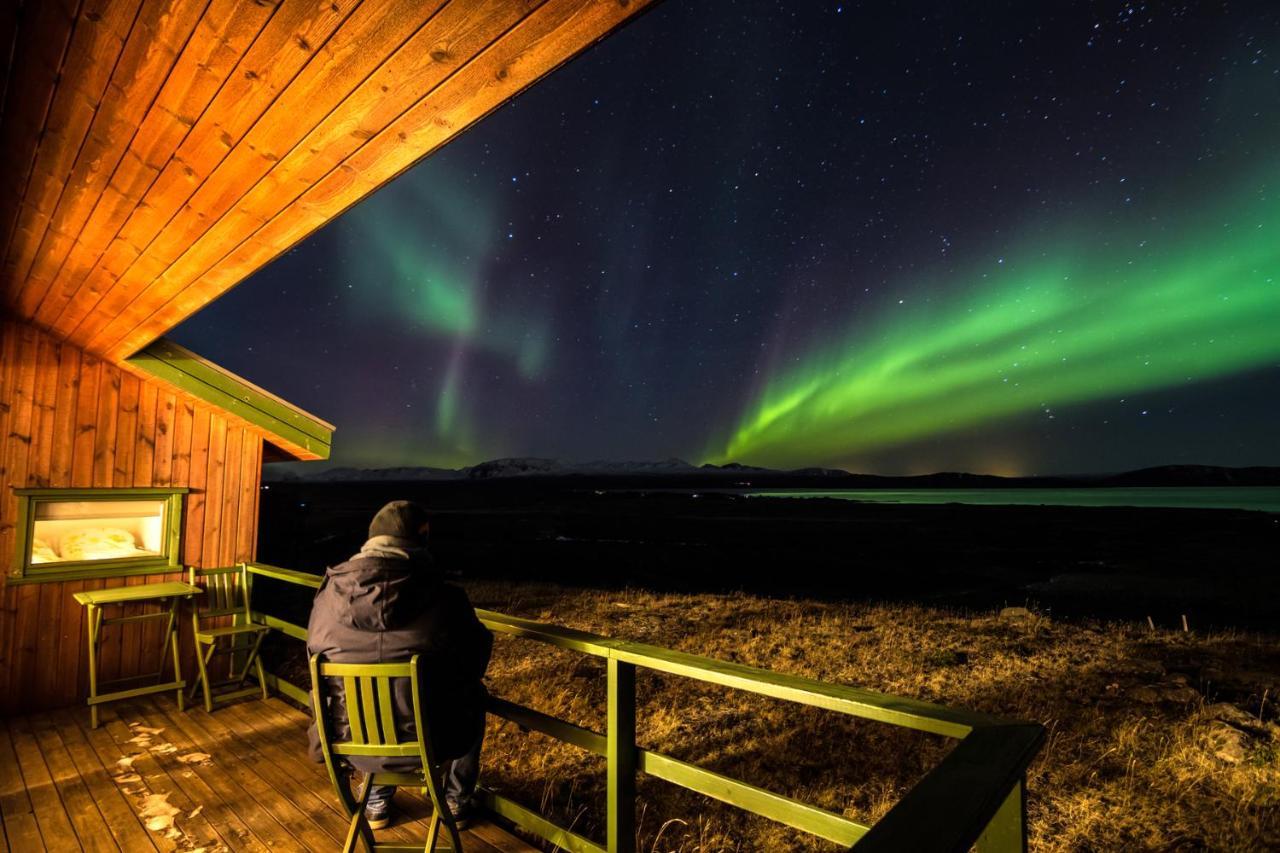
68	419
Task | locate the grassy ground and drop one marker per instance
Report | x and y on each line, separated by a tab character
1158	740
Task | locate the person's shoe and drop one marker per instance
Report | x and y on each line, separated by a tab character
379	815
463	813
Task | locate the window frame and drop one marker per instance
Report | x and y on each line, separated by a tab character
22	570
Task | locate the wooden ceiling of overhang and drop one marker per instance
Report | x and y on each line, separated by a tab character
157	152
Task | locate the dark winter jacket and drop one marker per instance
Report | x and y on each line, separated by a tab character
388	604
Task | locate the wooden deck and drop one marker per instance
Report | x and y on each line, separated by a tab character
152	778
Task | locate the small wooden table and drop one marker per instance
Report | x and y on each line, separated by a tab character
171	593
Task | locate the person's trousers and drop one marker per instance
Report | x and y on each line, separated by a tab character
459	782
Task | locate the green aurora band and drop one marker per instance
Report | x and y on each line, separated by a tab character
421	256
1069	326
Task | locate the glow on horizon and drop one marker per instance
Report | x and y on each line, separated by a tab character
1049	330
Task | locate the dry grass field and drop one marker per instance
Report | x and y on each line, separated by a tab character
1157	740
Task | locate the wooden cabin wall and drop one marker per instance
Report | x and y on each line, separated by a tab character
69	419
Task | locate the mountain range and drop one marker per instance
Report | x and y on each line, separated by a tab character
679	473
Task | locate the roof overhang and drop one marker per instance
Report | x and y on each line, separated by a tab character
298	434
157	152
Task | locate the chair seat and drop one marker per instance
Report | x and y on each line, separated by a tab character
208	635
406	780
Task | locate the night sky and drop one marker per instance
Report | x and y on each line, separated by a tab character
1011	237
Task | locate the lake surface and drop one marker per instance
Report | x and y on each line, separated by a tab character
1260	498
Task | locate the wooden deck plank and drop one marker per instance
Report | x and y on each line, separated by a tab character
282	723
283	730
20	828
155	778
64	785
137	778
279	739
274	820
498	839
274	764
116	810
90	825
56	830
206	814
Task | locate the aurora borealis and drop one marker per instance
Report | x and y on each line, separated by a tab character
1072	325
1016	240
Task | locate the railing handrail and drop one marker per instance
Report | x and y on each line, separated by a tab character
976	794
855	701
288	575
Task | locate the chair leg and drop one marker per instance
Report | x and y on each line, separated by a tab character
353	832
433	833
262	678
195	685
440	815
359	827
203	661
454	837
254	659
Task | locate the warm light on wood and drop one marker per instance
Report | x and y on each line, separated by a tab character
158	152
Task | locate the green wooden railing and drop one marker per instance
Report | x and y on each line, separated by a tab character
975	796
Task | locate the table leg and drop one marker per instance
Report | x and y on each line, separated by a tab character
93	621
164	649
173	639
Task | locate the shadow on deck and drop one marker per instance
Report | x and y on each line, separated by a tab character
153	778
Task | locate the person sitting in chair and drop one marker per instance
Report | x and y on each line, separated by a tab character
386	604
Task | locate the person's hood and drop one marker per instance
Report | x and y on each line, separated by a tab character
382	592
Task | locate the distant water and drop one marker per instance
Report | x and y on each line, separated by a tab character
1260	498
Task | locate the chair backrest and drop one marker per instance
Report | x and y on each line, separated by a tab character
226	591
368	693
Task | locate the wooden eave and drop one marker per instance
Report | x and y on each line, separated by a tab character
157	152
298	433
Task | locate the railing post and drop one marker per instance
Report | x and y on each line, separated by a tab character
621	755
1007	831
238	659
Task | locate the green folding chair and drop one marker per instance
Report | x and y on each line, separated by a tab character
226	594
367	690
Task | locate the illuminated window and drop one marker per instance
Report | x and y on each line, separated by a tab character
81	533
